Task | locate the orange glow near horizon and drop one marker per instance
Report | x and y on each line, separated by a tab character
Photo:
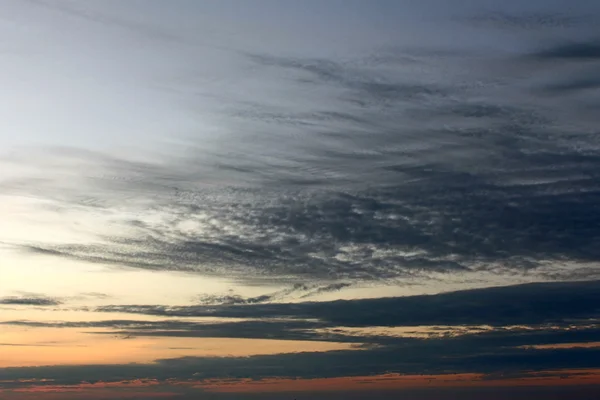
59	346
397	381
388	382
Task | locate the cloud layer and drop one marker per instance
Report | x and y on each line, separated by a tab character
493	331
391	146
391	173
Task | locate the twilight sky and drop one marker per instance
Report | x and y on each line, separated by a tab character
305	199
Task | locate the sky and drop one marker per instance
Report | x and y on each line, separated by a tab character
282	199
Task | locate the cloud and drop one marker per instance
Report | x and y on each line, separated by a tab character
527	20
133	26
30	301
273	329
513	305
334	287
362	168
93	295
559	384
298	290
519	315
388	233
229	299
574	51
319	171
575	85
500	331
442	358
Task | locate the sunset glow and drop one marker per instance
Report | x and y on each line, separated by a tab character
278	199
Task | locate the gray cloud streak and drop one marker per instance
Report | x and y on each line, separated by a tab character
512	305
30	301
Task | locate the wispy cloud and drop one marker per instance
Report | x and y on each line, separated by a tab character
329	162
398	175
30	301
298	290
513	305
540	20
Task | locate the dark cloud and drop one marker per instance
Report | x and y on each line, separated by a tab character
327	171
380	234
30	301
533	314
409	359
298	290
370	167
230	299
498	187
364	88
574	51
499	352
334	287
527	20
276	329
574	85
512	305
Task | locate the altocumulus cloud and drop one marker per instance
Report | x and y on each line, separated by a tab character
390	164
475	154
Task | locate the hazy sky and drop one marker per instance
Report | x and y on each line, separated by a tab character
189	188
